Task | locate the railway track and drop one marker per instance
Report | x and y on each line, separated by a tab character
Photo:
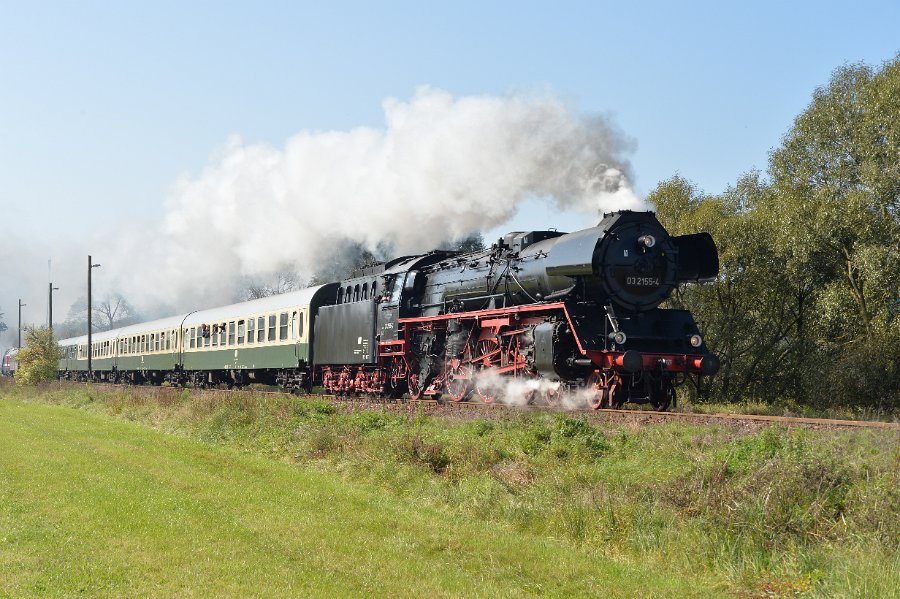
473	410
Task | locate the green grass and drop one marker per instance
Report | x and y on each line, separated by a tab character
252	494
97	507
793	409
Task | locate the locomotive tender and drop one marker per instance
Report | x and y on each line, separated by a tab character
568	314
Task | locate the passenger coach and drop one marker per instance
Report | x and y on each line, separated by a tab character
267	340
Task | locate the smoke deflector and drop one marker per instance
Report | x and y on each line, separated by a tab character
698	258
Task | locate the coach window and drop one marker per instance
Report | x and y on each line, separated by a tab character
272	319
193	337
231	333
215	335
348	294
283	326
207	335
300	325
251	330
222	334
356	293
261	329
365	291
240	332
374	288
294	325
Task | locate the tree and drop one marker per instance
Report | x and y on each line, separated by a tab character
2	324
836	215
281	281
807	303
744	315
348	259
113	311
837	183
470	243
39	358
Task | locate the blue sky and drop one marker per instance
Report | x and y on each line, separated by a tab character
103	105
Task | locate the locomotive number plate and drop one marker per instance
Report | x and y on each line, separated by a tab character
642	281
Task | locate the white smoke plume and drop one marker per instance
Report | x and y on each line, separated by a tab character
522	391
441	168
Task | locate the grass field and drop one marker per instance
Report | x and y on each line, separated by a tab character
254	495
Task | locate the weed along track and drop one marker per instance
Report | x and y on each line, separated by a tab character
473	410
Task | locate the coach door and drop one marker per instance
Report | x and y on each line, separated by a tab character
297	334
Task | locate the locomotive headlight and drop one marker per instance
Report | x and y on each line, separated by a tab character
618	337
648	241
696	340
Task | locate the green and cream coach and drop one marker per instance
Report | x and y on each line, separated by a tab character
267	340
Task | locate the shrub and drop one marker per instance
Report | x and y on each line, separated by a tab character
39	359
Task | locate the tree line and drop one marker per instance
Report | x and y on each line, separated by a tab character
807	304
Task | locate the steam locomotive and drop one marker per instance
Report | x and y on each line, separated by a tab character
566	315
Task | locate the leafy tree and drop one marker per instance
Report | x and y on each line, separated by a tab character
837	183
743	314
2	324
39	358
807	304
471	243
836	221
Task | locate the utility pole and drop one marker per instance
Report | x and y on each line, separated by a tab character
50	307
21	305
91	266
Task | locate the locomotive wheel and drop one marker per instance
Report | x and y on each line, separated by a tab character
552	396
663	398
487	354
459	381
413	387
598	393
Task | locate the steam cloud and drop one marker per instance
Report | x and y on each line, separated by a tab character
522	391
440	168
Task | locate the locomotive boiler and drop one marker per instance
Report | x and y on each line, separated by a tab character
574	315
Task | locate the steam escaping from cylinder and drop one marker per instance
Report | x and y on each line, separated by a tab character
441	168
522	391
